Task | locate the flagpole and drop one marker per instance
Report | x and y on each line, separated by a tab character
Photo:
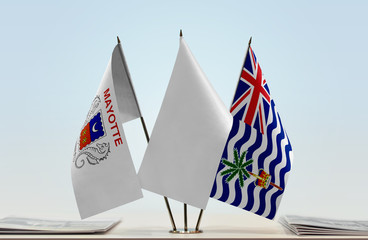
199	220
185	218
250	41
185	205
165	198
144	127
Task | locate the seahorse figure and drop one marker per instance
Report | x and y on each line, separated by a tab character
94	155
96	102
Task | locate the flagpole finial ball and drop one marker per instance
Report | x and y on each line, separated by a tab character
250	41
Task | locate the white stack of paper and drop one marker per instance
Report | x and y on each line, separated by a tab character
321	226
45	226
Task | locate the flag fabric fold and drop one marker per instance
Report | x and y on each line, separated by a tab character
124	90
257	158
103	173
188	137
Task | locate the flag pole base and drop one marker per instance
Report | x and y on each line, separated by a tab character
182	231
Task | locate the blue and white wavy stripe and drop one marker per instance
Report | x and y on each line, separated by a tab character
271	152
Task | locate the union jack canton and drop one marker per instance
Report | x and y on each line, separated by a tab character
252	98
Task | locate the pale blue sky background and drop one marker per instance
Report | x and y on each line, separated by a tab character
313	55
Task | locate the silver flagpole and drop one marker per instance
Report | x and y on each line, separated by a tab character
144	128
165	198
185	218
199	220
185	205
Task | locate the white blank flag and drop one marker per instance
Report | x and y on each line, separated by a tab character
188	138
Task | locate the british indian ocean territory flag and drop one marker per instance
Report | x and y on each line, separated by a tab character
257	158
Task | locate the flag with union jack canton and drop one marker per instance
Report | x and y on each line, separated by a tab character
256	161
252	98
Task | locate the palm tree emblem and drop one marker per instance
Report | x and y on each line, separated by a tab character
238	167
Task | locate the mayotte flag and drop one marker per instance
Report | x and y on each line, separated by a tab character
257	158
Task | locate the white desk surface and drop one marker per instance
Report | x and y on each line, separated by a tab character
214	226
